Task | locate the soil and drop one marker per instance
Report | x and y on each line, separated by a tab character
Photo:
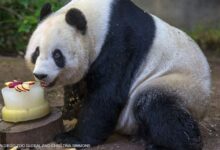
14	68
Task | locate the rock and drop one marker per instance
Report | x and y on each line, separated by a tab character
39	131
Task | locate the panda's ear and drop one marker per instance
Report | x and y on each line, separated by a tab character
76	18
45	11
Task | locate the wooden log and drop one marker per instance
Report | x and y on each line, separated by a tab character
39	131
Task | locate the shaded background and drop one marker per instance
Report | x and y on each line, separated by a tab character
199	18
187	14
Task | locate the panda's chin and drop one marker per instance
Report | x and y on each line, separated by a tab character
52	84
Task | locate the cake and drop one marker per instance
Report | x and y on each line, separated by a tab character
23	101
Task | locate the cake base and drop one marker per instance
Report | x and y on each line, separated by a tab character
26	114
39	131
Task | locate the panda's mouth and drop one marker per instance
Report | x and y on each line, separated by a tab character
48	85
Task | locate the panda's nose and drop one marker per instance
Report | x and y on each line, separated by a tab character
40	76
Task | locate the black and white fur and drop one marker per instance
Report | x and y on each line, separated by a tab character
143	75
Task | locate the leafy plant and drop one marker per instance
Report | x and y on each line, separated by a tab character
18	18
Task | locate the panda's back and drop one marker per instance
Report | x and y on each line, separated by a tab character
173	52
175	64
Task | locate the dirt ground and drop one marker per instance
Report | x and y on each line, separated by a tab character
14	68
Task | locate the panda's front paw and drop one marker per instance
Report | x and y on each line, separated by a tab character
66	138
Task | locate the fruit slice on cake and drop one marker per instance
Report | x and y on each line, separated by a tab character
23	101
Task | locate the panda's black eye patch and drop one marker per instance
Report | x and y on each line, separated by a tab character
59	59
35	55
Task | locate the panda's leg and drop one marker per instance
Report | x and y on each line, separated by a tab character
168	125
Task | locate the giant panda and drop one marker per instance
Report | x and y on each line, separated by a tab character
143	75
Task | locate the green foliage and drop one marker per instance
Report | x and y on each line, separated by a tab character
208	39
18	18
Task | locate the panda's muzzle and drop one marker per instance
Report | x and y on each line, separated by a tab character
51	84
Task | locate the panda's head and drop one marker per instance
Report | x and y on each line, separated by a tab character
58	49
